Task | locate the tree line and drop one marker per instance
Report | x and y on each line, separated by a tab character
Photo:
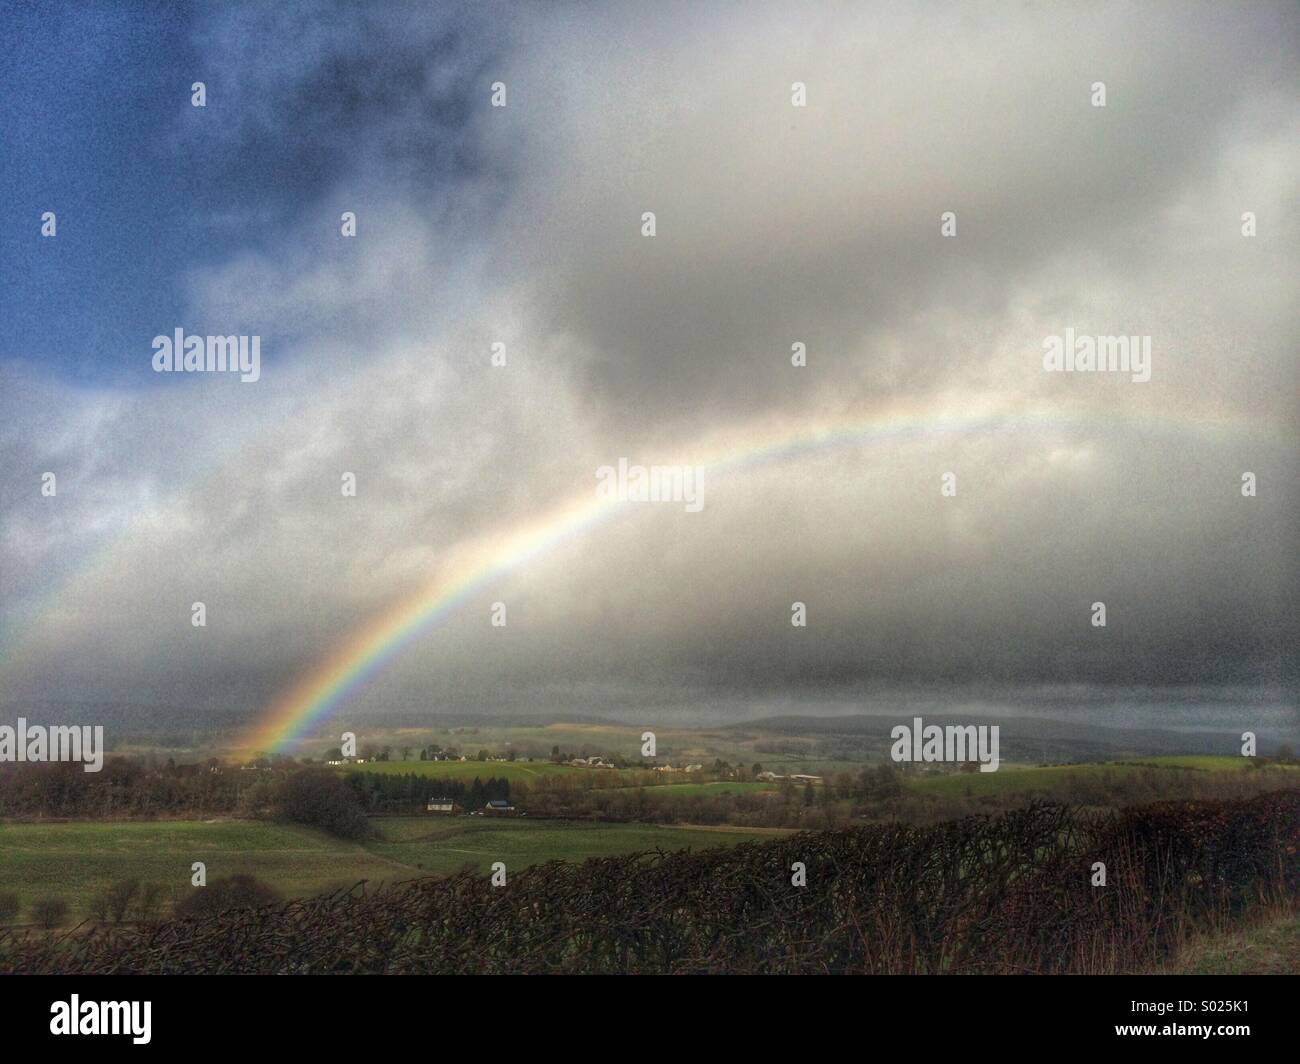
409	792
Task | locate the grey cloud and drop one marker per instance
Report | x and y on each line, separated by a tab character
775	225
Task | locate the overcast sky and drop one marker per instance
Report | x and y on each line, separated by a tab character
522	224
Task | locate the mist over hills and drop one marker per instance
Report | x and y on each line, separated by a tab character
1065	723
1026	739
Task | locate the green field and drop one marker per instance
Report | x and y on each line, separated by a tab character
75	860
667	792
1025	779
1203	762
514	771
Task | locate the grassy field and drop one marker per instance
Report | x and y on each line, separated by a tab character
75	860
1203	763
1026	779
694	790
513	771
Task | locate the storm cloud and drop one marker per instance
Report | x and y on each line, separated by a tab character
774	224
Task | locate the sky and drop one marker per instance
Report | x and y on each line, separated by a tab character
522	224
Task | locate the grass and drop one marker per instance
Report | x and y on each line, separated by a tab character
514	771
1268	946
74	860
669	791
1025	779
1206	763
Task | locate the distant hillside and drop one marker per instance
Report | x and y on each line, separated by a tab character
1021	738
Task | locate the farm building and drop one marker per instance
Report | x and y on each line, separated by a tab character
797	777
440	805
499	807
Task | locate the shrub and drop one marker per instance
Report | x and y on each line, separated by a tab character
50	912
240	891
149	902
113	903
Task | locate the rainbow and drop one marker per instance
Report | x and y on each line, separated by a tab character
472	567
